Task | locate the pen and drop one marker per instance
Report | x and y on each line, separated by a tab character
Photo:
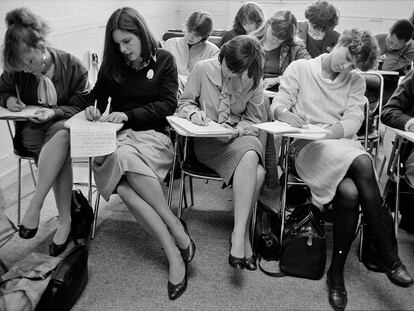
94	110
18	96
302	116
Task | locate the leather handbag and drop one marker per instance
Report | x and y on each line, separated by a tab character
303	250
82	215
267	230
67	282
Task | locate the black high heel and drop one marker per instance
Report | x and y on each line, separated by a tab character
236	262
57	249
176	290
27	233
189	252
250	263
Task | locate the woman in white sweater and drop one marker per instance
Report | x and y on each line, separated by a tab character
326	91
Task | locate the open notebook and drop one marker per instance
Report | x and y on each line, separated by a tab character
26	113
187	128
280	128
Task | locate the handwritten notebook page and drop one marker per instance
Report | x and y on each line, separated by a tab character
91	139
188	128
26	113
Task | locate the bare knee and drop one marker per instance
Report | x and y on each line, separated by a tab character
250	157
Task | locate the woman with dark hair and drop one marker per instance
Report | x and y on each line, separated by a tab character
278	38
194	46
337	169
229	90
248	18
55	81
318	31
141	80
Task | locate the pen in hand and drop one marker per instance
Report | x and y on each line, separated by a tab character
94	110
18	97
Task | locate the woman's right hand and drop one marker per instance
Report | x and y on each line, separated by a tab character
91	114
13	104
199	117
292	118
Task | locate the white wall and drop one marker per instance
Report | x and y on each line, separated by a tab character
78	26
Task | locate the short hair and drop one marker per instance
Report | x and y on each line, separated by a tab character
244	53
200	23
250	12
23	27
402	29
283	24
322	15
362	45
129	20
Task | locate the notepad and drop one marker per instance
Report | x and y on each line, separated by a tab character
187	128
91	139
278	127
26	113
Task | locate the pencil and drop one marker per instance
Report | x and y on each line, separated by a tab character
18	95
94	110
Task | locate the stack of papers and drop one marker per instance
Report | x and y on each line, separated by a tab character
26	113
185	127
281	128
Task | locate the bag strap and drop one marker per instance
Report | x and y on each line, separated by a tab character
279	274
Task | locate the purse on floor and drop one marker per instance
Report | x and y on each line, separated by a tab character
67	281
81	214
303	251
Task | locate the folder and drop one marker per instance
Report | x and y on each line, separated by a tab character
187	128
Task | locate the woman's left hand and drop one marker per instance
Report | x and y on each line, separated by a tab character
43	115
270	82
115	117
226	139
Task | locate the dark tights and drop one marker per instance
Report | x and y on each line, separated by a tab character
360	187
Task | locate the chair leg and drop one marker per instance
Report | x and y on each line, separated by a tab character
33	173
180	200
361	238
19	191
95	213
253	225
191	191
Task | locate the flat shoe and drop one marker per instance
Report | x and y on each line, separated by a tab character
250	263
337	296
57	249
399	275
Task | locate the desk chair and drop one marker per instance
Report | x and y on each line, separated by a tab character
215	35
22	154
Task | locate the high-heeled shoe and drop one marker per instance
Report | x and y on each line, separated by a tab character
236	262
27	233
176	290
57	249
250	263
337	295
398	274
189	252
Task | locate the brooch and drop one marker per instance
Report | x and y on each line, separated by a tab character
150	74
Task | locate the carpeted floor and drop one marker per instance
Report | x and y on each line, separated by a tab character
128	271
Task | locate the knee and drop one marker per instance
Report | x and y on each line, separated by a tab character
63	136
348	192
250	157
363	166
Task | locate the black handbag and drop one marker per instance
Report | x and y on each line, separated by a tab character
303	251
82	215
67	282
266	236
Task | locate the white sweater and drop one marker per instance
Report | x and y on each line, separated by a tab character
323	101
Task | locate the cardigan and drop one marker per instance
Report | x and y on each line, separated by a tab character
395	59
328	42
400	107
70	79
323	101
146	96
203	89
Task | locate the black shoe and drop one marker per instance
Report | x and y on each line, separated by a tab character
370	261
26	233
250	263
399	275
236	262
189	252
337	296
57	249
175	291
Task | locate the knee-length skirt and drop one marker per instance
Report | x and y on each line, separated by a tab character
148	153
223	157
323	164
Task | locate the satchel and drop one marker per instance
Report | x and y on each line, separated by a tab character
82	215
304	246
67	281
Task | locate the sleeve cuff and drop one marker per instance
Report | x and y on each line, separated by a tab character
408	124
59	114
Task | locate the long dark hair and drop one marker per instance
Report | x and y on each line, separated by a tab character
248	12
130	20
23	27
244	53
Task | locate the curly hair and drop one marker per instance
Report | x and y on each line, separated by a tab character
200	23
250	12
322	15
23	27
244	53
362	45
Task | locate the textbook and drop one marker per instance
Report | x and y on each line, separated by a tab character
187	128
26	113
278	127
